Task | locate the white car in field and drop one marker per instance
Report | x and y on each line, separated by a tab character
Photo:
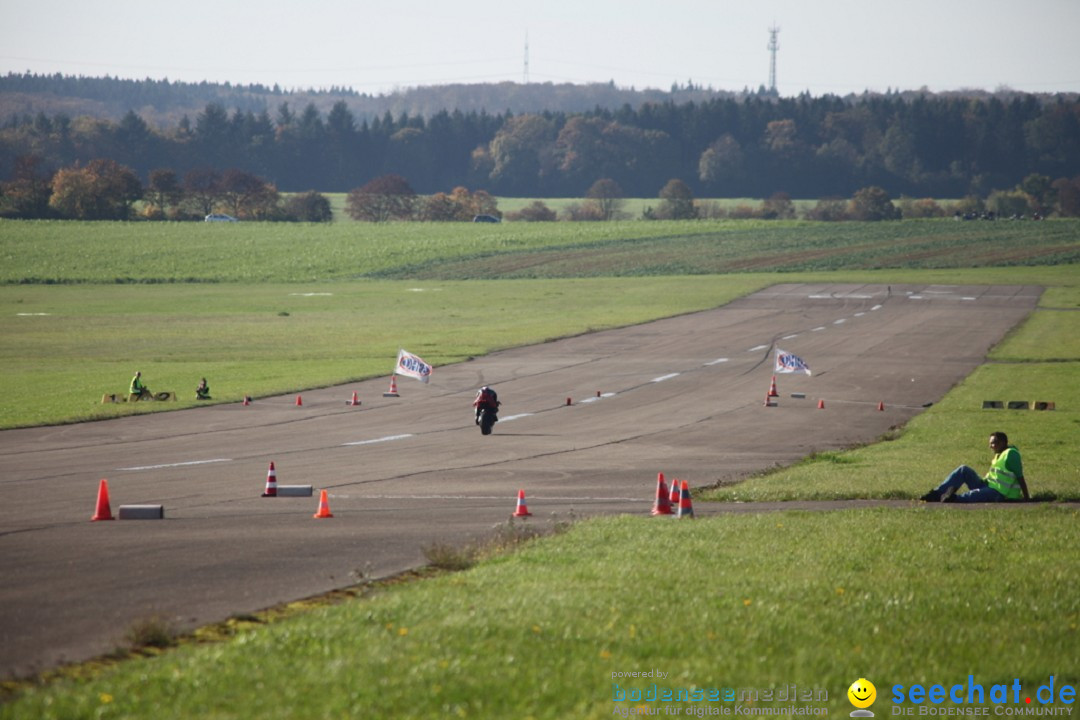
219	217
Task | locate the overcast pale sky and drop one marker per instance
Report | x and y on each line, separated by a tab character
826	46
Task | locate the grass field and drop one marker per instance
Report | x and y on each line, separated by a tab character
758	601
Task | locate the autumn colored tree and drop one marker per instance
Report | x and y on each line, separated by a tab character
872	203
677	201
103	190
163	191
606	198
778	206
246	195
536	211
723	162
309	207
202	189
27	194
388	197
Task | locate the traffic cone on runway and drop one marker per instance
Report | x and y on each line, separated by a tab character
299	401
881	406
673	498
522	509
103	511
393	388
772	388
568	401
821	404
768	401
355	400
324	507
662	506
271	482
686	508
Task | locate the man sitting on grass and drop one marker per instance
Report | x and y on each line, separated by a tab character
138	390
1005	481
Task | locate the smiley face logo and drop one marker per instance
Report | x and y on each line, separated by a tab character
862	693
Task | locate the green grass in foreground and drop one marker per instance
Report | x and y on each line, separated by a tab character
742	601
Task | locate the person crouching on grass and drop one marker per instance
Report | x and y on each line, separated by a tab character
1004	482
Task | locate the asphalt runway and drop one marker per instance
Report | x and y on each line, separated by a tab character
683	396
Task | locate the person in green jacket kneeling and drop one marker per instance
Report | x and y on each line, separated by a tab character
1004	482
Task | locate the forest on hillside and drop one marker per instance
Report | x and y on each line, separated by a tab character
720	145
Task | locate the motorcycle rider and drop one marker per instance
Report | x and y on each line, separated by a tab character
486	397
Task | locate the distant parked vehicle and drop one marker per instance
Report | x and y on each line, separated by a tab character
219	217
486	218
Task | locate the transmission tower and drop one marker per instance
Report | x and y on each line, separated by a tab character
774	45
526	76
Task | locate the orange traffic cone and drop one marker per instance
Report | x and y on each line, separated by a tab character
768	400
686	508
673	498
103	511
324	507
820	404
662	506
393	388
772	388
569	401
881	405
271	482
299	401
522	509
355	400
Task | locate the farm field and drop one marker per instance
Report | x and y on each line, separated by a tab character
760	600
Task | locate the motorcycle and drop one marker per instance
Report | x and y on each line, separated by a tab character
488	418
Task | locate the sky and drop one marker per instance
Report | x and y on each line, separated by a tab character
825	46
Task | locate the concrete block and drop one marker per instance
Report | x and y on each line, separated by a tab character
142	512
294	490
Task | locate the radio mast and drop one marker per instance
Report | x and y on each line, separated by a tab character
774	45
526	75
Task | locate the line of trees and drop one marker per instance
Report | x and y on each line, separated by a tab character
808	147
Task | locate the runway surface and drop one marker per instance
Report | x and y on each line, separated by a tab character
683	396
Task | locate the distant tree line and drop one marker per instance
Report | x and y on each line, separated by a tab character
805	147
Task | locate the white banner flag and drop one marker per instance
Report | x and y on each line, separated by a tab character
788	363
412	366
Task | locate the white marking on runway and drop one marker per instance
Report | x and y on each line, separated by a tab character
818	328
757	348
792	336
717	361
859	314
662	378
179	464
877	307
841	321
388	438
514	417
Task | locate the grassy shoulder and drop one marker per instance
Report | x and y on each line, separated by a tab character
744	601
